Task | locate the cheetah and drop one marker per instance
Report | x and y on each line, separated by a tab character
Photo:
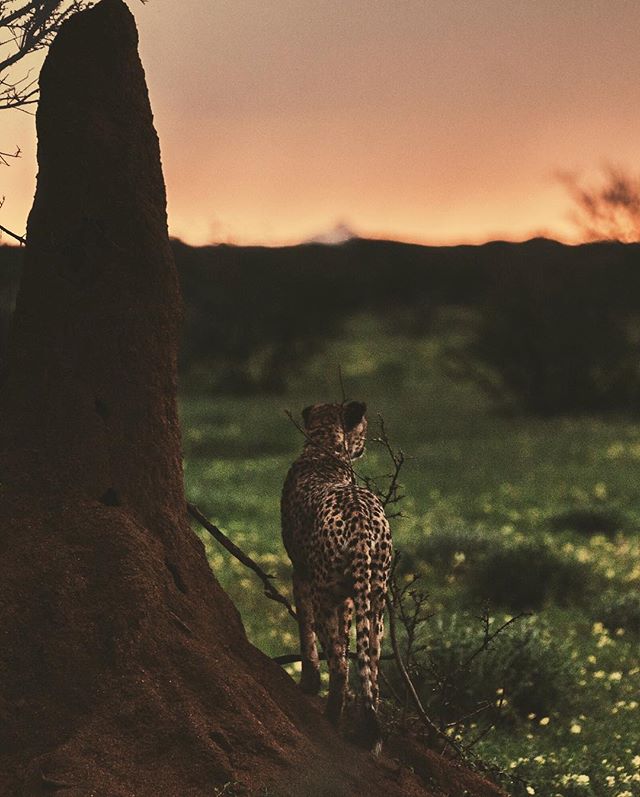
339	543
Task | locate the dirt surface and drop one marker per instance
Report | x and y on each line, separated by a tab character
124	668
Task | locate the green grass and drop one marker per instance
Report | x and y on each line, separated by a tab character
497	505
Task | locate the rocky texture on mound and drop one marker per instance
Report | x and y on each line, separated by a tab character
124	668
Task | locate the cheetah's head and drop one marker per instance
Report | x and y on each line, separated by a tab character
339	428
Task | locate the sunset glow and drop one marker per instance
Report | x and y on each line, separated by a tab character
436	121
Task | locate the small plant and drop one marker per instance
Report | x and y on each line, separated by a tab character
503	667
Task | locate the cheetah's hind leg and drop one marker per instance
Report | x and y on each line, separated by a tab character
335	647
310	680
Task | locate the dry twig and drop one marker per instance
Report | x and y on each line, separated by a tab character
269	590
17	237
392	494
411	690
4	156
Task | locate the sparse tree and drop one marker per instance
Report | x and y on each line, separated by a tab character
607	210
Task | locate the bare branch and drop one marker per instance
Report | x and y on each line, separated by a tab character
17	237
5	155
28	27
269	590
411	690
489	637
391	495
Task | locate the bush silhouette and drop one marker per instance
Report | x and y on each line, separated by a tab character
527	576
560	331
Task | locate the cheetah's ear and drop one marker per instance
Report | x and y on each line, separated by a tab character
353	413
306	412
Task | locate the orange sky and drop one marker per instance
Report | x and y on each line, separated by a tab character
428	120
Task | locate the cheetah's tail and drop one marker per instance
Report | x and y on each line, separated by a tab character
362	603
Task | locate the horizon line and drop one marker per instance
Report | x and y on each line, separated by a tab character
378	239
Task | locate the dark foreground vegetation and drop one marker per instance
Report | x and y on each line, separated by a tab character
549	328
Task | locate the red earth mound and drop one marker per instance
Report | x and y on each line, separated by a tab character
124	668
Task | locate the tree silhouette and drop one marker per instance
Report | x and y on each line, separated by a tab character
608	210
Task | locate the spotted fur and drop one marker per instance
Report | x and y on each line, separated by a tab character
339	542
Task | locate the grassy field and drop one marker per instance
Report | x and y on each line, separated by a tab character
522	512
